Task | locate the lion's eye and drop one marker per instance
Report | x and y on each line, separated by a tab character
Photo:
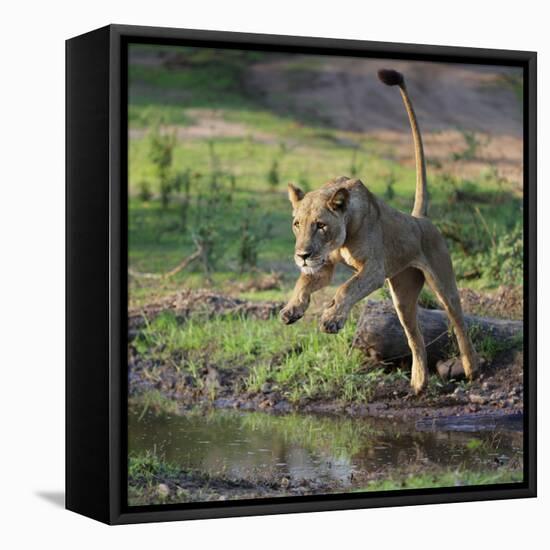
321	225
296	223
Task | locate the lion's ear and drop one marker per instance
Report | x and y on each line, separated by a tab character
339	200
295	194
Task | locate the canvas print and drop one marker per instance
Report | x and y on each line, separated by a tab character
325	275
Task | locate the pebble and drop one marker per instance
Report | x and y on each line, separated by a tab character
477	399
163	490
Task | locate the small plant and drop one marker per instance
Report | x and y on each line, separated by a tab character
248	250
181	184
273	178
505	261
250	239
389	193
161	150
427	300
486	344
144	191
206	238
473	143
474	444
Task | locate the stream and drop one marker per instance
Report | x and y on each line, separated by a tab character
307	447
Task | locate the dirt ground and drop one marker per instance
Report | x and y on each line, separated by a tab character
479	98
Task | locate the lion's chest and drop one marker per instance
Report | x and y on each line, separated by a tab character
349	259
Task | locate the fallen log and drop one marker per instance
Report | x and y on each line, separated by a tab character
380	335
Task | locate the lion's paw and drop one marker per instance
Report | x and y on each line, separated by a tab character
332	323
290	314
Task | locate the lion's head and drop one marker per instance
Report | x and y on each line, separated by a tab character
319	224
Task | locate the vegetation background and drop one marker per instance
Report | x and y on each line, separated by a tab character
214	137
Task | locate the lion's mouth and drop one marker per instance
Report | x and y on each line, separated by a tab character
309	266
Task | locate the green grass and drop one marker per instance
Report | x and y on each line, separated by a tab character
445	479
484	232
148	467
299	362
153	400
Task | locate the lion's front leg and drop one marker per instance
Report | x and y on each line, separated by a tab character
305	286
358	287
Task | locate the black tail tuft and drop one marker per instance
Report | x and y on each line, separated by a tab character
391	77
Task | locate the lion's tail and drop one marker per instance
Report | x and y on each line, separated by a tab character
393	78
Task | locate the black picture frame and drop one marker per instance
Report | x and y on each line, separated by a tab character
96	267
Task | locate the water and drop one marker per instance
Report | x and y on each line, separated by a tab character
321	448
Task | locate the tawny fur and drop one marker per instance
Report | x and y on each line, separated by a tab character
344	222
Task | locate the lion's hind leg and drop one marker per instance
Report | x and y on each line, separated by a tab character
405	289
441	278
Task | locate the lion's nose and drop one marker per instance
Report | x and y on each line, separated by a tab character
303	255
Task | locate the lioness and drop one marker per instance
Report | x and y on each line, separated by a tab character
344	222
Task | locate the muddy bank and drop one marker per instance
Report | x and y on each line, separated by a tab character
187	486
498	390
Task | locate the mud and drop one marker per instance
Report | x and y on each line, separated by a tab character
498	389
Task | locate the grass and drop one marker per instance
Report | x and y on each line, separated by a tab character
454	478
299	363
486	344
148	467
154	401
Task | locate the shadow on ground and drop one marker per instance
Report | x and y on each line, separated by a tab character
57	498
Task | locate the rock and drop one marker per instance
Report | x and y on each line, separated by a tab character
282	406
266	387
450	369
163	490
284	483
212	381
477	399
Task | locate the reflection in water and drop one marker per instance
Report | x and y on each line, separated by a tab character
310	447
